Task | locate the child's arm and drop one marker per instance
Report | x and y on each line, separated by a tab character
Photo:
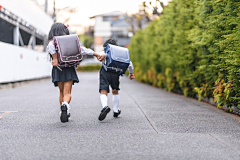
87	51
54	61
96	55
51	50
131	69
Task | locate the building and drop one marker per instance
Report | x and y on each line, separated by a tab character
111	25
24	29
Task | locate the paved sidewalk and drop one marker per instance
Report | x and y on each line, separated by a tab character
154	124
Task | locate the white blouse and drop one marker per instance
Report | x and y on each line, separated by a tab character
85	51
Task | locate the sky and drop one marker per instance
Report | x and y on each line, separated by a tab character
88	8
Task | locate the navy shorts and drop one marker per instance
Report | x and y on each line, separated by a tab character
108	78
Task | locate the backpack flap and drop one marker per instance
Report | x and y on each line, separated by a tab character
68	48
119	54
117	59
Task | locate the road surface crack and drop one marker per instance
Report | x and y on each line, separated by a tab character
144	113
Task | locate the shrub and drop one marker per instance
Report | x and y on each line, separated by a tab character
193	47
90	67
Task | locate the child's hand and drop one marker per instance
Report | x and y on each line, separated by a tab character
131	76
97	55
102	57
55	62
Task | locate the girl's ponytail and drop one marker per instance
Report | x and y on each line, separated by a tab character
66	31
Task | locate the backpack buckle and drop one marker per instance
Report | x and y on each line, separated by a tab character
118	69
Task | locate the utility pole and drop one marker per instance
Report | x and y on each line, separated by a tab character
46	6
54	12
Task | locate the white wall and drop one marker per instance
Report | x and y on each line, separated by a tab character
18	63
102	28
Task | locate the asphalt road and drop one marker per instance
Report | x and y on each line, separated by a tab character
154	124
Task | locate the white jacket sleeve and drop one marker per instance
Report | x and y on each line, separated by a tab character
86	51
130	67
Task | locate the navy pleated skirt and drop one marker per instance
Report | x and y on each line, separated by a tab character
68	73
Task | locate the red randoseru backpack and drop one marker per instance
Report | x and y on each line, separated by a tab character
68	51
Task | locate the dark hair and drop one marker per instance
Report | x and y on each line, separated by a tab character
110	41
57	29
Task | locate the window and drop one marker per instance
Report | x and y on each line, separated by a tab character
107	18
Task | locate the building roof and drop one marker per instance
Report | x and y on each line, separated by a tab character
114	13
29	12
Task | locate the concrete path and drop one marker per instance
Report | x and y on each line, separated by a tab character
154	124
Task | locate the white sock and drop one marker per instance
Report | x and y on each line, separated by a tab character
104	100
115	100
68	106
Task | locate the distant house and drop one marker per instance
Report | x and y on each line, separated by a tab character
111	25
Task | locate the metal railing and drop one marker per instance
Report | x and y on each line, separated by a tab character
24	25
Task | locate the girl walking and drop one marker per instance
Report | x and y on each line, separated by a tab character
67	77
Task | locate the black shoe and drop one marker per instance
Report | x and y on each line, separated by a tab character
104	113
115	114
64	115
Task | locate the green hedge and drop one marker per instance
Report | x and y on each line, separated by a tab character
193	47
90	67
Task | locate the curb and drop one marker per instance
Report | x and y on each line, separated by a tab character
235	110
15	84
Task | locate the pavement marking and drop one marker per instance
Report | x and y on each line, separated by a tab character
8	111
224	142
148	118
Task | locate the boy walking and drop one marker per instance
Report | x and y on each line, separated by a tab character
110	78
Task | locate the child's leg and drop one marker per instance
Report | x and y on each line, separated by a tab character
60	86
104	89
103	97
115	100
105	109
67	88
